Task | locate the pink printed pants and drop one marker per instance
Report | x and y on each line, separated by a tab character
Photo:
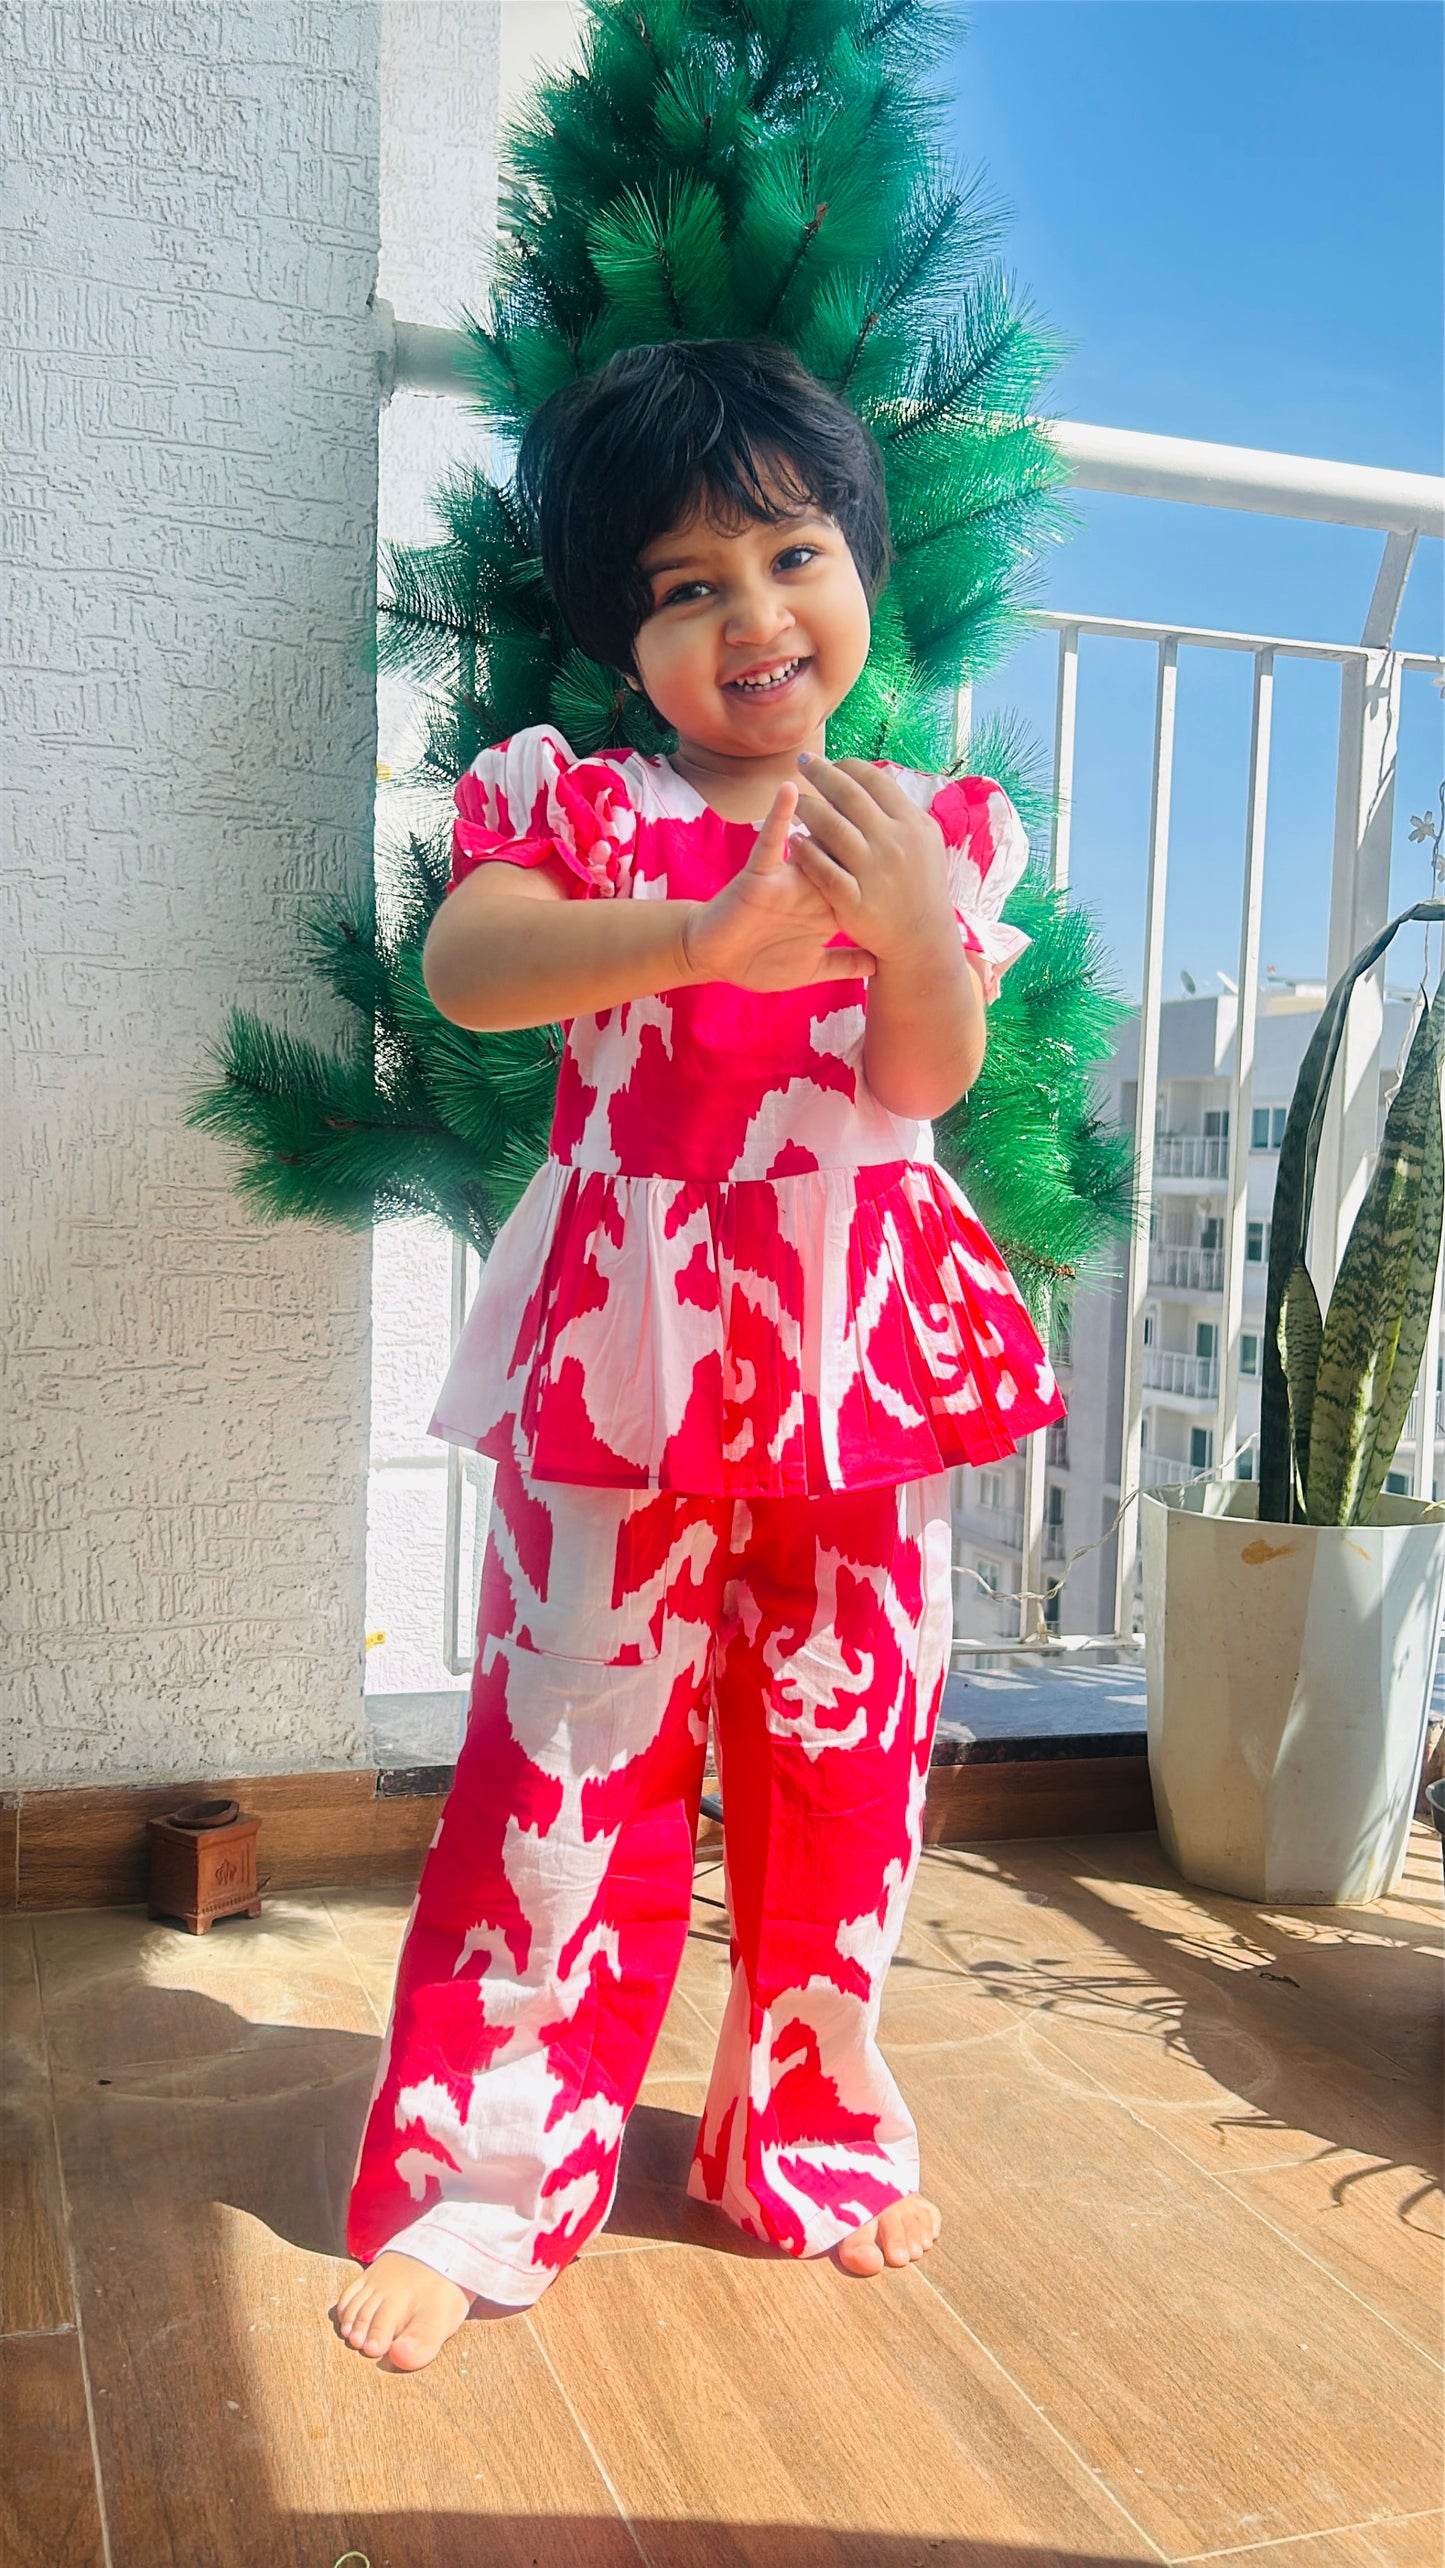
554	1904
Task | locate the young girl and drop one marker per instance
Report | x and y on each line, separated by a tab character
724	1353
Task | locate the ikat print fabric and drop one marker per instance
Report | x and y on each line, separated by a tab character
736	1273
555	1902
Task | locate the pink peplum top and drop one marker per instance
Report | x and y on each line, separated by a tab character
736	1273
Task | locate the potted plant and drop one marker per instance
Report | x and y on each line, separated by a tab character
1292	1622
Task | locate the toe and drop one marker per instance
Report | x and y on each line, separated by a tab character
861	2254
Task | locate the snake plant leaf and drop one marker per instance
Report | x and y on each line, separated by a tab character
1388	1422
1293	1202
1302	1329
1375	1332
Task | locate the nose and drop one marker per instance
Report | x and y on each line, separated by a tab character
757	614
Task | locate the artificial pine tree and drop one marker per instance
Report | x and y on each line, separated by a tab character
716	168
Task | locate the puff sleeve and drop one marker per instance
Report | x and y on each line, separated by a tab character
987	853
529	801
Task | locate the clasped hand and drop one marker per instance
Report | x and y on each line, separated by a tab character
872	867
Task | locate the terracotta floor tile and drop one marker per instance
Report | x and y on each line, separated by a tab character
207	2206
1282	2129
49	2512
759	2410
1173	2138
1371	1976
120	1990
370	1925
1218	2380
35	2292
1414	2542
1375	2227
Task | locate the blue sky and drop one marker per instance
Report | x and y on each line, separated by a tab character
1232	208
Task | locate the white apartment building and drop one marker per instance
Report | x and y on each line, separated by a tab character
1183	1318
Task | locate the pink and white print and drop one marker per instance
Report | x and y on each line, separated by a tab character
555	1901
737	1274
724	1353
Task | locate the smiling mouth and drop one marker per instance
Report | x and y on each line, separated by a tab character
772	684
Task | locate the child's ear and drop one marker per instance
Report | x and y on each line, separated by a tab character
634	683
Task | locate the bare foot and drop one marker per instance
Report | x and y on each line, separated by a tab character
899	2236
401	2308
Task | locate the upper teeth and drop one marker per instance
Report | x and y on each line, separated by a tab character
774	678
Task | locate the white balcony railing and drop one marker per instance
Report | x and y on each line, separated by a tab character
1166	1470
1196	1270
1001	1525
1188	1377
1401	506
1190	1154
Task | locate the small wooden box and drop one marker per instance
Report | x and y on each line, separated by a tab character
203	1865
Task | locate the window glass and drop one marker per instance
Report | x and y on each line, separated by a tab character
1204	1339
1277	1117
1244	1466
1201	1448
1259	1128
1398	1483
1254	1243
1248	1354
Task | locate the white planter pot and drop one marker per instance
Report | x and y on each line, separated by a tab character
1289	1672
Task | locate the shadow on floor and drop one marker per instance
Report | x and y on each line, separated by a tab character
1323	2021
572	2541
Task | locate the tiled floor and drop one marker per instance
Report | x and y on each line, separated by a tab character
1185	2307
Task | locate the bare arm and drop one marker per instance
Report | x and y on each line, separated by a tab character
926	1034
882	864
510	947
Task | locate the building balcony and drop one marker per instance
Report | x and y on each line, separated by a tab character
1203	1158
1001	1525
1167	1471
1194	1270
1184	1377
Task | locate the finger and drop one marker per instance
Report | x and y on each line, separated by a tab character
839	888
769	851
846	792
846	963
829	828
881	785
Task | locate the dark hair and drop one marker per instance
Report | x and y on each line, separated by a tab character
734	426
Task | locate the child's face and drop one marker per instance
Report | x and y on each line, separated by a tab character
777	603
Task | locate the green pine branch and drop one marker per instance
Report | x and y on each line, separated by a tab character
715	168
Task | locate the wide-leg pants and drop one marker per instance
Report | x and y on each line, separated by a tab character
554	1903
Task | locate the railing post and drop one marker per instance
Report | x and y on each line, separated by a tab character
1226	1415
1065	709
1151	999
1031	1574
455	1650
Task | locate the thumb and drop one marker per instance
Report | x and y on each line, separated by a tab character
770	847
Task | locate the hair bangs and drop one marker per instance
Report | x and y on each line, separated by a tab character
735	431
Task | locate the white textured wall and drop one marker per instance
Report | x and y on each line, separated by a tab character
190	241
451	69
